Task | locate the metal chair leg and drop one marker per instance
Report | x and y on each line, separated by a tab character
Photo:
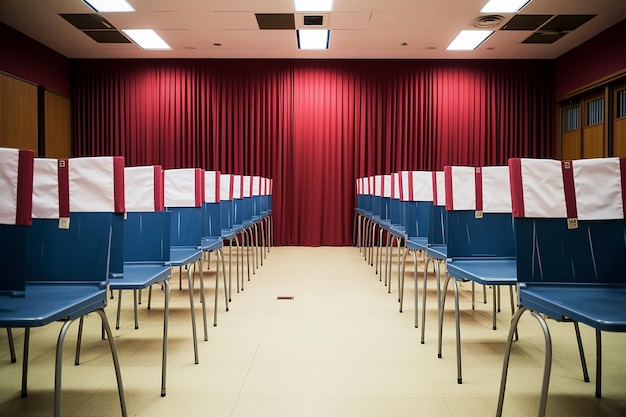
11	345
25	363
166	315
547	363
193	317
581	352
598	364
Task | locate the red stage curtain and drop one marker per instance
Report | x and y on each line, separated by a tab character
313	126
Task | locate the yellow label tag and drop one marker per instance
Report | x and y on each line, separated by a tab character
64	223
572	223
478	214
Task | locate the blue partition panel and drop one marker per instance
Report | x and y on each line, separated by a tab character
226	208
437	224
116	265
247	207
79	254
491	235
547	251
13	256
256	207
417	214
376	204
186	226
265	204
360	203
384	208
212	220
147	237
238	212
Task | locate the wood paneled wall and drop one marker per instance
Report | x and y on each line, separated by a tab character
58	126
21	122
18	114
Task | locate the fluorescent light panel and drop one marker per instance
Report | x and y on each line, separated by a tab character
468	40
504	6
146	38
110	5
313	38
313	5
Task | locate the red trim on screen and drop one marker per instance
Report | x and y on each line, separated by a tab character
622	169
199	185
159	188
447	179
569	188
435	199
25	172
478	181
64	188
517	190
118	184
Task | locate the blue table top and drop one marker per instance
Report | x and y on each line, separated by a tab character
47	303
417	243
486	271
397	230
183	255
139	275
597	305
210	243
437	251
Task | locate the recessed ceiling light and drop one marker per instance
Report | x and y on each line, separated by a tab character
313	38
110	5
146	38
313	5
504	6
468	40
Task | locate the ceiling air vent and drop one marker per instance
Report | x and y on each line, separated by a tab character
313	20
487	21
96	27
526	21
273	21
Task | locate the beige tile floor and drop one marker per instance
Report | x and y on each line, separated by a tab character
339	348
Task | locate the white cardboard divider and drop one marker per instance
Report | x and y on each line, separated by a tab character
140	188
247	186
9	169
181	188
46	189
542	188
212	186
94	184
378	185
386	192
404	185
422	185
237	186
496	188
226	187
598	187
462	194
256	185
440	189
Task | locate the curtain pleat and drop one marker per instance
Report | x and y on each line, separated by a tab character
313	126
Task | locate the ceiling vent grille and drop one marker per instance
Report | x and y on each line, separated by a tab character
487	21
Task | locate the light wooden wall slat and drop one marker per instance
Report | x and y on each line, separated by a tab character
18	114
